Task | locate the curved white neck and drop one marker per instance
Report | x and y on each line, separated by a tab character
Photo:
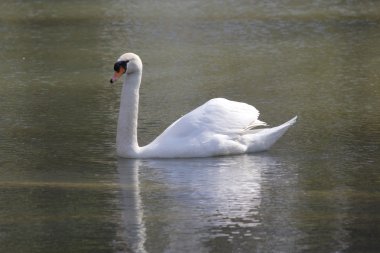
126	138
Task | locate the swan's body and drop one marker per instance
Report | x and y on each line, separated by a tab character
218	127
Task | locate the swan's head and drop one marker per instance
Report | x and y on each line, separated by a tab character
128	63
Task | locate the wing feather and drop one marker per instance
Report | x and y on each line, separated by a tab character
217	116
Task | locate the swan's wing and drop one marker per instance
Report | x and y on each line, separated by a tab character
217	116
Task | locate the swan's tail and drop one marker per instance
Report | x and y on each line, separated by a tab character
289	123
263	139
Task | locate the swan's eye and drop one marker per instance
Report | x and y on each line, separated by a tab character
119	64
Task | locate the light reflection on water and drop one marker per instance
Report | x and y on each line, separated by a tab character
194	201
231	204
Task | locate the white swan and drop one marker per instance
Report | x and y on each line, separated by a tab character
218	127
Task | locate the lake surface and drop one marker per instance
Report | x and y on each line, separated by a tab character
63	189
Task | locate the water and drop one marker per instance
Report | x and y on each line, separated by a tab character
62	188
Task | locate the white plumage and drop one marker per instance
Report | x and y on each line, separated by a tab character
218	127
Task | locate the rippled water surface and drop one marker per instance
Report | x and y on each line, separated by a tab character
62	188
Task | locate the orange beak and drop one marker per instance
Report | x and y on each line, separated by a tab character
117	75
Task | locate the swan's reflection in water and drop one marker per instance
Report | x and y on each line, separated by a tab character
132	214
184	205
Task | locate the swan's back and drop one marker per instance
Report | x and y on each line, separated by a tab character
211	129
217	116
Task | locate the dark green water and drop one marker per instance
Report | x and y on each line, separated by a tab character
62	188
